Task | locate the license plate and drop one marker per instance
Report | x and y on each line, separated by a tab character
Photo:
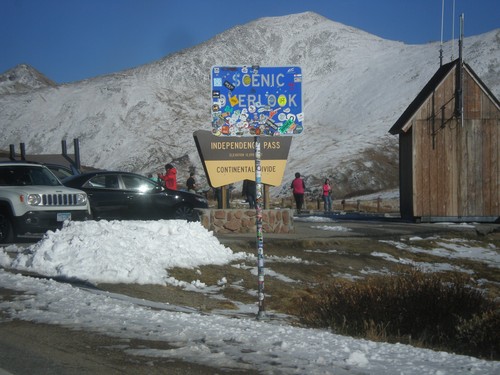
62	216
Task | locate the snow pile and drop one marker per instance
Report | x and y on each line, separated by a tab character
122	251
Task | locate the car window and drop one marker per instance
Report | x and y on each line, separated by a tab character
27	175
103	182
138	183
60	172
42	176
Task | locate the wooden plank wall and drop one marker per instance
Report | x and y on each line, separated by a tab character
406	174
456	166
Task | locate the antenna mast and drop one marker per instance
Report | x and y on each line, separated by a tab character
453	32
461	69
441	46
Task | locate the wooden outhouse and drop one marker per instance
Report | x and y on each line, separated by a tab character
449	149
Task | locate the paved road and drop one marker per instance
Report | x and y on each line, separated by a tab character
38	349
309	227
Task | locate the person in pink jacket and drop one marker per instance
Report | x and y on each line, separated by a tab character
327	192
170	177
298	187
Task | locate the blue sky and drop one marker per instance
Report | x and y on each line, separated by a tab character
70	40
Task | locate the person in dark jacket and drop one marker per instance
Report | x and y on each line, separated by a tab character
191	183
249	190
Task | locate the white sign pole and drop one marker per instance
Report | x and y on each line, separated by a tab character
260	232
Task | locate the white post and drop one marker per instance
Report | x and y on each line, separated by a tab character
258	223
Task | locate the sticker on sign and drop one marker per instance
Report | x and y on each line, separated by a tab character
254	100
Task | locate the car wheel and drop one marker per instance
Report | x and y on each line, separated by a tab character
93	215
6	229
186	213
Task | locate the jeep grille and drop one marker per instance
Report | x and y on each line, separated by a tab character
59	199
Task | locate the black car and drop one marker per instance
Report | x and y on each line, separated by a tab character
130	196
62	171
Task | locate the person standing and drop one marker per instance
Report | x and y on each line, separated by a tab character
170	177
327	192
191	183
250	192
298	187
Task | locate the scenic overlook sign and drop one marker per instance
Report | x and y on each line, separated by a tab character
254	101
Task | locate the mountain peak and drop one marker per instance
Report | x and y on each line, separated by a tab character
23	78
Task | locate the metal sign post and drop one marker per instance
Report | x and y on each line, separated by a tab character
260	232
252	102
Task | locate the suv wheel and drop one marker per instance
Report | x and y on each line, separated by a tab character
6	229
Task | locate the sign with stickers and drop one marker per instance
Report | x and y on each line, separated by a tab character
254	100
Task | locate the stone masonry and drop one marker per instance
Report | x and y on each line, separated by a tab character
243	220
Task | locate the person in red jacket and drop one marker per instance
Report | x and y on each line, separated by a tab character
298	187
170	177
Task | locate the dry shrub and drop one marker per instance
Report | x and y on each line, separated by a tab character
434	310
480	335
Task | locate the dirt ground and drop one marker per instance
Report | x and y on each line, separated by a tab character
293	262
28	348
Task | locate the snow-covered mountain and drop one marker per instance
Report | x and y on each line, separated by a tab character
355	86
23	78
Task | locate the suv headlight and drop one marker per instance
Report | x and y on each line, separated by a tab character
34	199
81	199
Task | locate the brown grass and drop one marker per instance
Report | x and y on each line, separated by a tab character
437	310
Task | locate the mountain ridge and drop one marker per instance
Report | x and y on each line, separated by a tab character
355	86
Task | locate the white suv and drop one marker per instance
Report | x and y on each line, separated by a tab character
33	200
